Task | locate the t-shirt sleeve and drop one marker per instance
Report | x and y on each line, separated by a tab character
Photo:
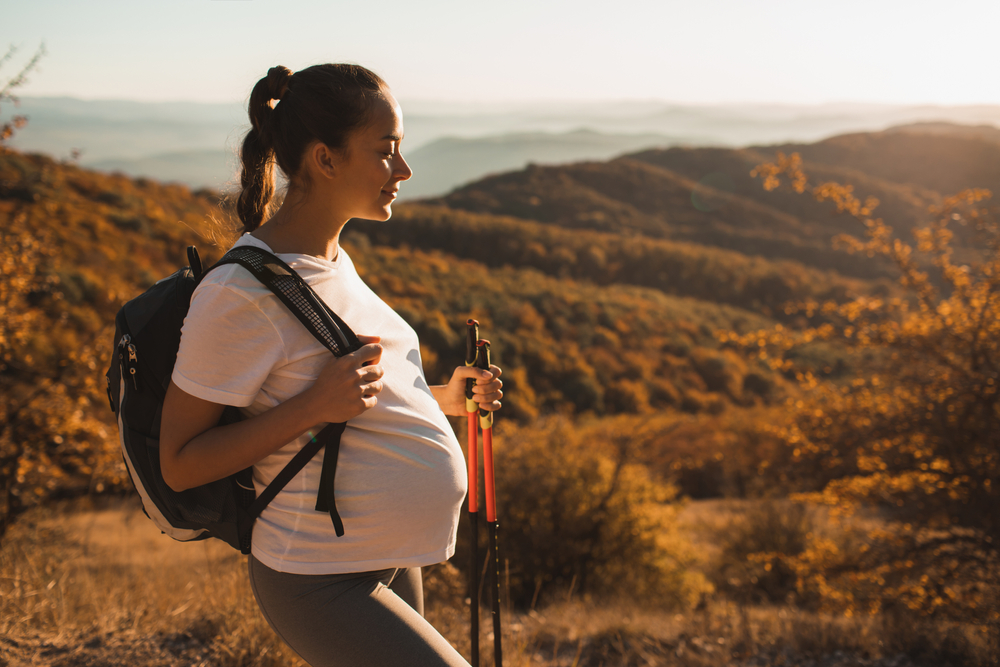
228	347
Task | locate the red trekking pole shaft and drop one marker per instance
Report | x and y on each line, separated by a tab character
471	352
486	422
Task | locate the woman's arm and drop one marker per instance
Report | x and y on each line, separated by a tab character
451	396
195	451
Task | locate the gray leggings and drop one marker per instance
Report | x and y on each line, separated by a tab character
366	619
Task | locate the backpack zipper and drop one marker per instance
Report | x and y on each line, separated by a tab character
131	364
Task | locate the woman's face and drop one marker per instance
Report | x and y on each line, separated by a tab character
372	167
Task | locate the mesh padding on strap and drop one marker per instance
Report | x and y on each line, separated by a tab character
301	300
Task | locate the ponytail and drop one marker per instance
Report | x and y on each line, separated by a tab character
257	152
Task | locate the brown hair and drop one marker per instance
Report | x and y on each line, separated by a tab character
320	103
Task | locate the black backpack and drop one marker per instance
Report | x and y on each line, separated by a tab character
147	335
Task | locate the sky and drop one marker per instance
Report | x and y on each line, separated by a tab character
515	51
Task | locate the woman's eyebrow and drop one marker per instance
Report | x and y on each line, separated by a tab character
392	137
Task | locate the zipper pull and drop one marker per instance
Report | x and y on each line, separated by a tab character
128	364
133	361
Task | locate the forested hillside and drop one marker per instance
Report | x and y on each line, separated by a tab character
567	344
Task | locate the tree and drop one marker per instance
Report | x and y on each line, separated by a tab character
917	434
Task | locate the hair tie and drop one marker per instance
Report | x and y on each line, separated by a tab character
277	81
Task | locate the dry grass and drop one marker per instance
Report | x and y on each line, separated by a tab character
109	578
99	586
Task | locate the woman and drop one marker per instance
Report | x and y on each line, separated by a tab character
357	599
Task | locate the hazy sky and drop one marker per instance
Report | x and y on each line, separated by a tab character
696	51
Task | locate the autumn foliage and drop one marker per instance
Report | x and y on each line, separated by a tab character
916	435
70	256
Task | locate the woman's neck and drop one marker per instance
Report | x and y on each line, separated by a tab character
303	227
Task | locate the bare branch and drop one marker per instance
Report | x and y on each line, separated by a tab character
21	77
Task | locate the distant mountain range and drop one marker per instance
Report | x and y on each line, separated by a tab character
449	145
215	169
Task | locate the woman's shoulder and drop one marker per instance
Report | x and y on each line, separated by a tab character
231	290
229	317
233	276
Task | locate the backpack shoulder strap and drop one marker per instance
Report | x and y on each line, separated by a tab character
300	299
328	329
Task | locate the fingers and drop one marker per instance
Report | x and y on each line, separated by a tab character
477	374
372	388
488	382
369	354
487	392
489	401
349	385
371	381
371	373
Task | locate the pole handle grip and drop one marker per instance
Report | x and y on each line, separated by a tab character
483	362
471	354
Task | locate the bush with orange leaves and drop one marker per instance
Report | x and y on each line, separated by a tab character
916	436
51	445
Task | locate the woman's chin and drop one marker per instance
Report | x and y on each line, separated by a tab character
380	216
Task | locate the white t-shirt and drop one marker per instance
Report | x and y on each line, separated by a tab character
400	474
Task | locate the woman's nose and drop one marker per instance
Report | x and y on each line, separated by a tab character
403	169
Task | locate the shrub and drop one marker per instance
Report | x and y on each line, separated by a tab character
578	512
748	567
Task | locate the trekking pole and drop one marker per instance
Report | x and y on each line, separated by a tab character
486	422
471	352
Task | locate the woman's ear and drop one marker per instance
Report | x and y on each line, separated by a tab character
323	160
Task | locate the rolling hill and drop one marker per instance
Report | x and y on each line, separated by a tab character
707	197
451	161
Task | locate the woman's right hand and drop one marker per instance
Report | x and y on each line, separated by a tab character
349	385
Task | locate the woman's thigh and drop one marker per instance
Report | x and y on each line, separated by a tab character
347	620
409	585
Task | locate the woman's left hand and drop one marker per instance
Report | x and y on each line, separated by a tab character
486	393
